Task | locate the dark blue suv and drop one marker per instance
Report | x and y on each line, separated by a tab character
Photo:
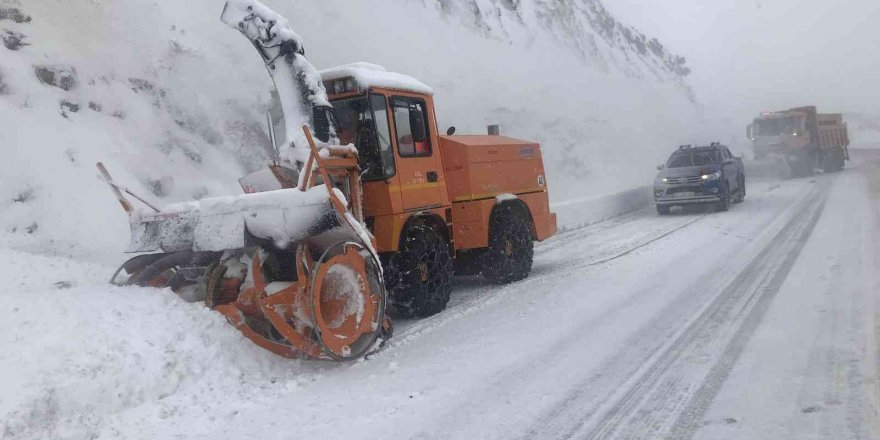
708	174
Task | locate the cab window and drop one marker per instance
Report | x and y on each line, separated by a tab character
363	121
411	123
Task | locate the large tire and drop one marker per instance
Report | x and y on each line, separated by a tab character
419	275
663	209
157	274
829	164
724	203
511	250
803	167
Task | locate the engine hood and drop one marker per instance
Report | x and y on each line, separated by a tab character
689	171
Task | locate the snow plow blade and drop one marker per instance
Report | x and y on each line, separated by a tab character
293	269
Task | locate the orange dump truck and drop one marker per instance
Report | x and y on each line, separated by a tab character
437	205
805	138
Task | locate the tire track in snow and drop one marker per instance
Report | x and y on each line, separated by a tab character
590	390
493	294
668	397
572	413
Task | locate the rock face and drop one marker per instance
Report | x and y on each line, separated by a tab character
585	26
14	14
12	40
62	77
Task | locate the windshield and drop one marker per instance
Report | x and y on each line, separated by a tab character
691	158
363	121
775	126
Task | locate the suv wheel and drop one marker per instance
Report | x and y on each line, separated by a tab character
724	203
663	209
741	190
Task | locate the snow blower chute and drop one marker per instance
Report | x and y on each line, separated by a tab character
289	263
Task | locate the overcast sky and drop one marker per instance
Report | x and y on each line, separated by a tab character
770	54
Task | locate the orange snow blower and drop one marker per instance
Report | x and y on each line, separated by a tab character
335	306
290	262
301	279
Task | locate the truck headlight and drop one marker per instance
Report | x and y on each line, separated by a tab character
714	176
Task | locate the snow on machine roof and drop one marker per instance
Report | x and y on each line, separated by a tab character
368	75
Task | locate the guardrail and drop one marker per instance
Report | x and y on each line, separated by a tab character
575	213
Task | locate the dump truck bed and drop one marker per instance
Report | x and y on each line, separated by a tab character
832	131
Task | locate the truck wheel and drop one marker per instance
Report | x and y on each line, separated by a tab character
829	164
663	209
724	203
803	167
510	252
161	273
420	273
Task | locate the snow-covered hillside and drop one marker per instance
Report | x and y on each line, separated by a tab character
172	100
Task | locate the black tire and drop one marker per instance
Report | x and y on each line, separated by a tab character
803	167
147	276
511	249
741	189
829	164
420	273
724	203
663	209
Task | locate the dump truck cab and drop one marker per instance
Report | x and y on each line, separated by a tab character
784	132
436	203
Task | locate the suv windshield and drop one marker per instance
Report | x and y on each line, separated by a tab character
693	157
363	121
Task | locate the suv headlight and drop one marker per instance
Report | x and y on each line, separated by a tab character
660	180
714	176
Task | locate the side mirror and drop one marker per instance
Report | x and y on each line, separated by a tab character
660	167
450	131
729	161
749	131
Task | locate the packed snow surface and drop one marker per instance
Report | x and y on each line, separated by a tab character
754	323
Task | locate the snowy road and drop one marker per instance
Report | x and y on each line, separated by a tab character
760	322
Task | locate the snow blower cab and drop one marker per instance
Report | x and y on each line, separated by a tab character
289	263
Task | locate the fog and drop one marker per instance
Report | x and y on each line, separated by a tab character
749	56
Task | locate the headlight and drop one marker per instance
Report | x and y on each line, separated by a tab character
714	176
